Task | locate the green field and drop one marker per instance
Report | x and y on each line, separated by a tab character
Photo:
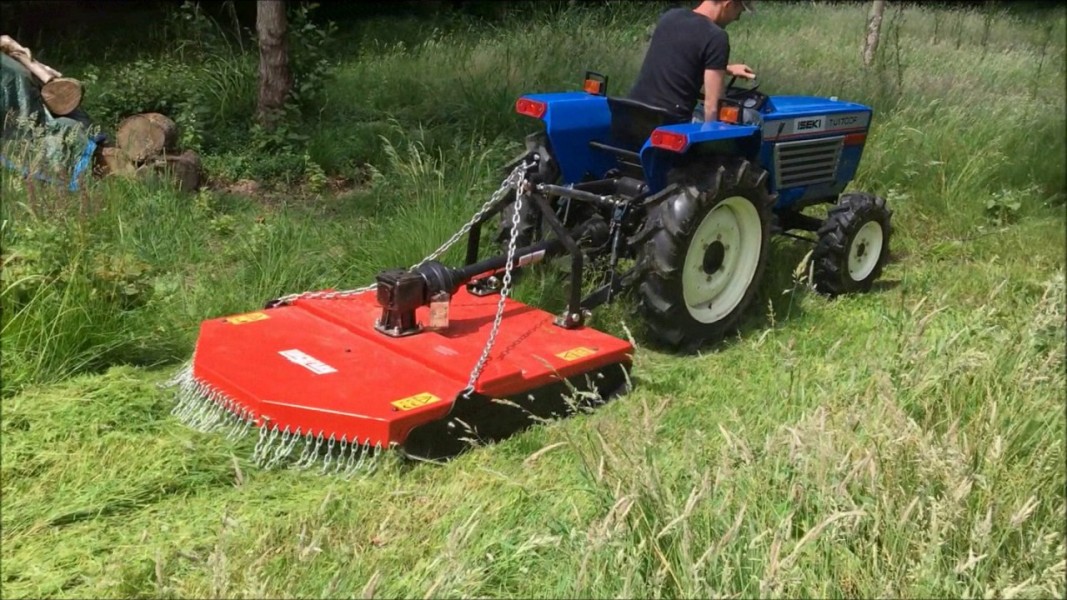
909	442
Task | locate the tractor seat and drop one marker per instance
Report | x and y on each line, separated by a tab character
632	122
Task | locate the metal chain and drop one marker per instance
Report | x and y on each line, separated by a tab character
515	180
505	288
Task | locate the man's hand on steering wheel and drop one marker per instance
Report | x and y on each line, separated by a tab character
740	70
744	72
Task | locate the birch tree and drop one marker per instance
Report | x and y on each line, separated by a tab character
874	31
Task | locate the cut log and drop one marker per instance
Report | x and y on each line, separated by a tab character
62	95
115	162
183	169
146	136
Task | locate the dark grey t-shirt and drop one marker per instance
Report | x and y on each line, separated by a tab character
683	46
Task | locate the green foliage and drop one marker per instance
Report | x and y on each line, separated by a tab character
120	279
1003	207
314	175
34	258
160	85
202	81
311	54
206	81
39	259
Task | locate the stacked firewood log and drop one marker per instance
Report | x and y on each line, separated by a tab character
144	144
147	144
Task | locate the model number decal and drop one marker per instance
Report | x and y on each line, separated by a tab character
307	361
842	121
815	124
412	402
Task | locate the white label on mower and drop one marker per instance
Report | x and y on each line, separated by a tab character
310	363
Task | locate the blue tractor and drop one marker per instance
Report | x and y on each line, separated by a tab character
682	213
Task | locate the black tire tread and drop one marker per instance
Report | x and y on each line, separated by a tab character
830	256
673	216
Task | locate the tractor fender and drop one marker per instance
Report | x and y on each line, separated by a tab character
689	141
571	121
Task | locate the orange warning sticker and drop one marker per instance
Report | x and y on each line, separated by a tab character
576	353
246	318
415	401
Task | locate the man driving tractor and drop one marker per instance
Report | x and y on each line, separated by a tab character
690	49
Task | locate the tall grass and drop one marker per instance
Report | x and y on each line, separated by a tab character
903	443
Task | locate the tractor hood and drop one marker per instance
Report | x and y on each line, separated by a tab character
803	105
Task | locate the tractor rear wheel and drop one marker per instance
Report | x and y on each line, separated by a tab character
703	250
853	245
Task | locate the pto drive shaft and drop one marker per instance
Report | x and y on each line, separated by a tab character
401	291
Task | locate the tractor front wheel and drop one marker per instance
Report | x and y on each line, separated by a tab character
703	251
853	245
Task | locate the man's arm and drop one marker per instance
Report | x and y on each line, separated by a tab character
713	84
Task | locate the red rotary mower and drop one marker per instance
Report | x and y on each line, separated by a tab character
428	360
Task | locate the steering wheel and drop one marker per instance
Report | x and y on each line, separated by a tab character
747	96
738	92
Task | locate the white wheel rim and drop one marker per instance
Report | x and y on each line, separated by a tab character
865	250
728	242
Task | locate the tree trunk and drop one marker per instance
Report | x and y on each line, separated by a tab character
874	31
274	77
